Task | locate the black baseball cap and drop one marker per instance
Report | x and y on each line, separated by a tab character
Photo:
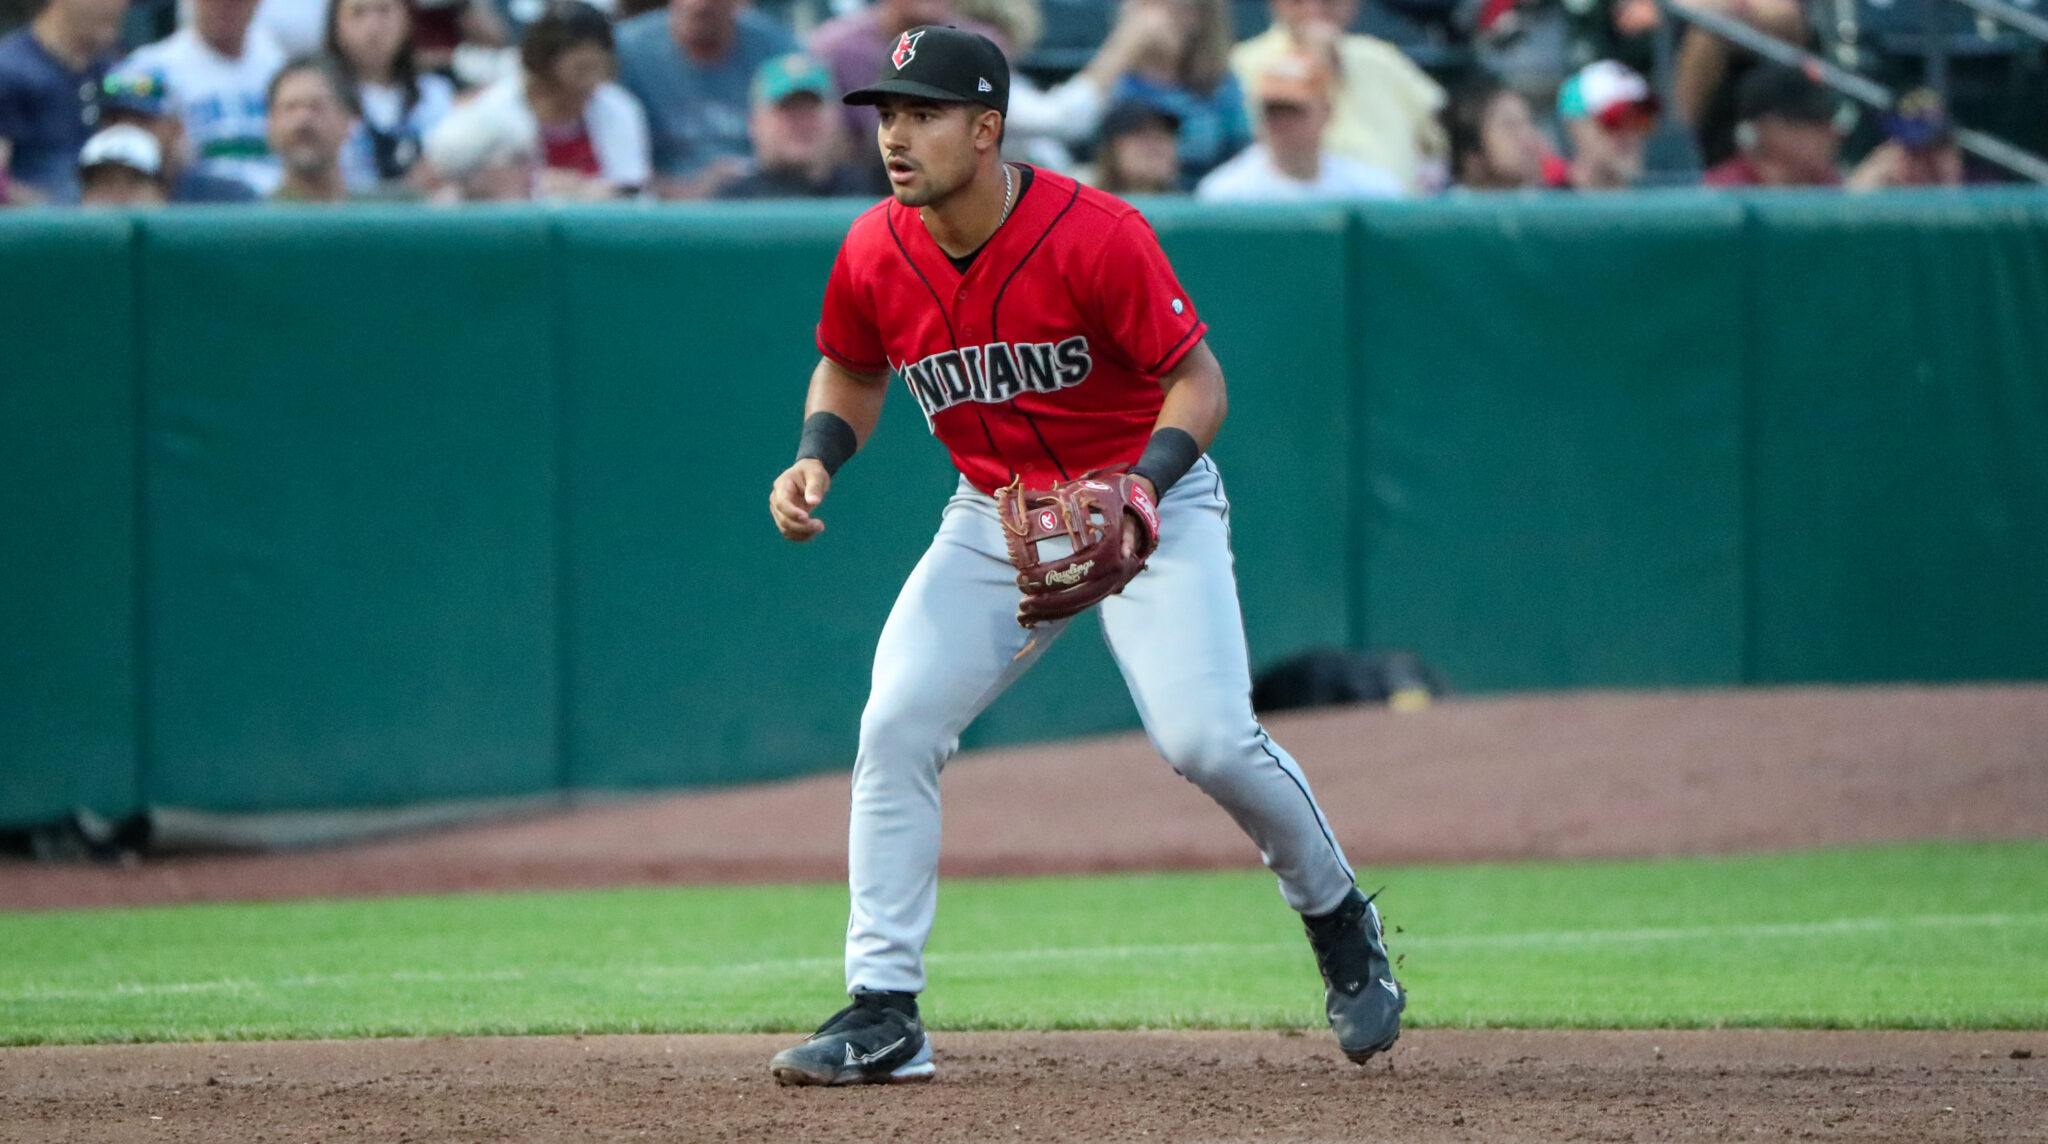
1133	113
1784	91
945	64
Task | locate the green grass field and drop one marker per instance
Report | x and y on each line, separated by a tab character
1926	936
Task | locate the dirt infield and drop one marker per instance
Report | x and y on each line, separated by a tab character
1442	1085
1580	775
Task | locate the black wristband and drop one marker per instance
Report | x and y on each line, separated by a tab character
827	439
1168	456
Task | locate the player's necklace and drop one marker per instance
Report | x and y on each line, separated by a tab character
1008	202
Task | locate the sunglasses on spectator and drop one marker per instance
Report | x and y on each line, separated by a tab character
1282	107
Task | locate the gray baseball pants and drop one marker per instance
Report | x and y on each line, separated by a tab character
952	645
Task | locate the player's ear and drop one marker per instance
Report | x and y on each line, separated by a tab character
988	129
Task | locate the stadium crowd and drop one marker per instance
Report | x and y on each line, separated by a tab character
134	102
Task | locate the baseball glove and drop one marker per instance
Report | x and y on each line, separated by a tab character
1089	513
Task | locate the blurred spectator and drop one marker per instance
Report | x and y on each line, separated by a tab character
296	25
1708	65
1785	135
50	72
1919	149
691	66
371	44
1527	44
1495	145
441	26
1384	108
1290	162
312	111
593	135
856	45
1532	46
121	166
1042	125
1607	111
142	100
799	138
485	152
217	71
1140	150
1176	54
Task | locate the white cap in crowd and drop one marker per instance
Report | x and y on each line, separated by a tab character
480	134
126	145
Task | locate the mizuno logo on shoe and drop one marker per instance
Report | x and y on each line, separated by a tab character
1390	987
857	1061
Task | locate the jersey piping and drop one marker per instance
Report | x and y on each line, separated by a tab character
952	338
995	325
848	359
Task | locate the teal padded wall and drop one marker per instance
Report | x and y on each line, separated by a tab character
704	647
1902	438
311	509
350	549
67	517
1553	439
1287	360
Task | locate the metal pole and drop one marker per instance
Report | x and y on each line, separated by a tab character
1772	48
1935	50
2010	16
1663	42
2015	159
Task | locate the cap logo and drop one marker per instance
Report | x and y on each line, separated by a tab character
981	84
906	49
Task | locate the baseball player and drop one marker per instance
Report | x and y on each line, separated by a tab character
1038	325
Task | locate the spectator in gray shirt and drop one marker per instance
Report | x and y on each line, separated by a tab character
691	65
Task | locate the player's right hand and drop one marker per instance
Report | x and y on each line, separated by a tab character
795	495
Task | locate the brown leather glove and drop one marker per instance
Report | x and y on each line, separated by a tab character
1090	513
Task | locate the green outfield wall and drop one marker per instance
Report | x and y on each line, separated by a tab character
314	509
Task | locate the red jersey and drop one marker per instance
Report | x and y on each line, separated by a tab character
569	148
1043	360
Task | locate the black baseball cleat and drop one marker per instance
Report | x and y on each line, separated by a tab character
1360	994
876	1040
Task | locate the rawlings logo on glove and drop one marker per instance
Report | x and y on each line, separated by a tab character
1089	513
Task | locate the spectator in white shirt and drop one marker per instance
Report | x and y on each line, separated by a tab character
294	24
218	71
1290	163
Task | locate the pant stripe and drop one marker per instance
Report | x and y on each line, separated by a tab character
1313	809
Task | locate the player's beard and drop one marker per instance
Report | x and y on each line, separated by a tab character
928	190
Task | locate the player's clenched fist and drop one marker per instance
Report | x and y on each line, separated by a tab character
795	495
